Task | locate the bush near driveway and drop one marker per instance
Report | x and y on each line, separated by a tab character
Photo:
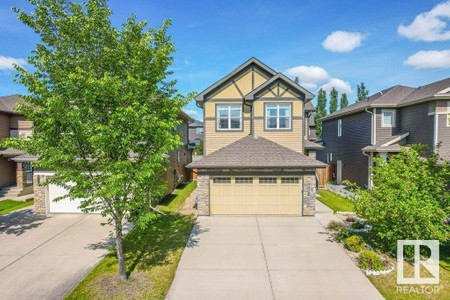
409	201
355	243
151	255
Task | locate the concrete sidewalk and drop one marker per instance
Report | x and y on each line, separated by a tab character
253	257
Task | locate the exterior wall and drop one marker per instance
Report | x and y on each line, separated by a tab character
203	195
443	133
356	132
8	172
193	134
4	126
177	173
293	138
312	133
39	194
21	176
416	120
384	133
309	195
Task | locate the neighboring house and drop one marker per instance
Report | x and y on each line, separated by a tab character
381	123
16	173
310	112
196	132
175	174
254	145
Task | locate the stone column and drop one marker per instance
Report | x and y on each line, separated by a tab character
39	194
309	195
312	154
203	195
21	176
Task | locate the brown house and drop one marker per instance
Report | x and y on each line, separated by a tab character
380	124
255	145
16	173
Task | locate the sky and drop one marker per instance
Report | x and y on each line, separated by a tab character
325	43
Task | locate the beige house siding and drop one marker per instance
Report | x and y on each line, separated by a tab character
218	139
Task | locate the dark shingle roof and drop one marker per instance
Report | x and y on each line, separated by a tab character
311	120
309	106
390	144
311	145
7	103
251	152
196	123
394	96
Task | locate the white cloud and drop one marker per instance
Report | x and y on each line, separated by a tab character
191	112
429	26
340	85
6	62
429	59
309	86
343	41
308	74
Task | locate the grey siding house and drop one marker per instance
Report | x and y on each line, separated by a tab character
380	124
196	132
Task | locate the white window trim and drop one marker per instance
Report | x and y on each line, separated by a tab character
339	133
278	116
229	117
329	157
393	118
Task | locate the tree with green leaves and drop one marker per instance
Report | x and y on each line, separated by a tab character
333	100
410	199
103	108
362	92
344	101
321	111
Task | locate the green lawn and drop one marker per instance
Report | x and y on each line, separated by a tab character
334	201
173	201
387	284
7	206
151	257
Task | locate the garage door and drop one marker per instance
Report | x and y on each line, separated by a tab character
255	195
64	205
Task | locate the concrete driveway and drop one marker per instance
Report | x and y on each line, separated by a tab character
45	258
266	258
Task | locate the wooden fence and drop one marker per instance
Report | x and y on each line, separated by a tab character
324	175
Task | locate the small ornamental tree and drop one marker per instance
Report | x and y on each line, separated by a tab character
410	198
103	108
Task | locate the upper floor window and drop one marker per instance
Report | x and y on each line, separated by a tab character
340	127
199	130
229	117
329	157
387	118
278	116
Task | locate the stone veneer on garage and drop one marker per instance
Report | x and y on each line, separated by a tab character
309	195
39	194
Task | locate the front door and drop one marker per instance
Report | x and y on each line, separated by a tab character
339	172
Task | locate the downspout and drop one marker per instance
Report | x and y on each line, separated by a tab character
369	174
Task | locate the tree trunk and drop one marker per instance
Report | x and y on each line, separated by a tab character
120	258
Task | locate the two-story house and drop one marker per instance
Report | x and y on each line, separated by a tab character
381	123
310	112
254	161
196	132
15	169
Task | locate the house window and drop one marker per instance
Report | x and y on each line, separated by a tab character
278	116
289	180
243	180
229	117
199	130
222	180
387	118
329	157
340	127
267	180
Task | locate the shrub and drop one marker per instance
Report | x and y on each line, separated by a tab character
335	225
409	200
343	234
355	243
350	219
369	260
357	225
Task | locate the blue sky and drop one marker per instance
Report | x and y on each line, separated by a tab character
327	43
